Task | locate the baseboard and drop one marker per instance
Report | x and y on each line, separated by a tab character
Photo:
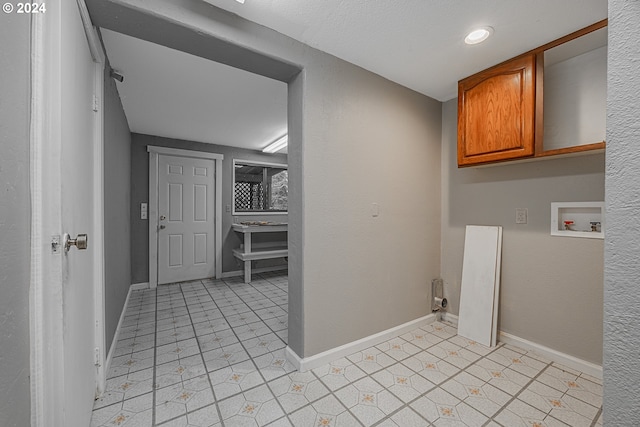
235	273
294	359
452	319
312	362
116	335
553	355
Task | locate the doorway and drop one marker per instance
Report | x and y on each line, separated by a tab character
180	36
185	207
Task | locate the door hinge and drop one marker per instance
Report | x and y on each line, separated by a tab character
95	103
96	356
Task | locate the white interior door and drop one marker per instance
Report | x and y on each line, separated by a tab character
77	191
65	188
186	233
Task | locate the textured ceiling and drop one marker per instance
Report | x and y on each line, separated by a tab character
176	95
416	43
420	43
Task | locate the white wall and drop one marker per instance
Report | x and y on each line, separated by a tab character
14	221
551	287
622	249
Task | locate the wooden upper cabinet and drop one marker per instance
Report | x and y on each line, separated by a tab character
550	101
496	113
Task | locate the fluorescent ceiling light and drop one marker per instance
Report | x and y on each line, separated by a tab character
277	145
479	35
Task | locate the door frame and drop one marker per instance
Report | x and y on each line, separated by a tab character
45	300
154	153
99	59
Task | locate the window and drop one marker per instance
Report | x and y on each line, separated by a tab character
259	187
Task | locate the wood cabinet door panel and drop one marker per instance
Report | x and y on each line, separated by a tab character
496	113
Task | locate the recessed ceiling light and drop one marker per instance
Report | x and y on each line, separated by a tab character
240	1
479	35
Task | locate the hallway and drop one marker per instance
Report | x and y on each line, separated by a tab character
215	352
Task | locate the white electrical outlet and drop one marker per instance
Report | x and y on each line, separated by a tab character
521	215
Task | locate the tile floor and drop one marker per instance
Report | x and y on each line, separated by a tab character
211	353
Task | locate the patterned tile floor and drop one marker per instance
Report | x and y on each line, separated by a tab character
211	353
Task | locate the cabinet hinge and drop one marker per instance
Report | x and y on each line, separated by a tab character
95	103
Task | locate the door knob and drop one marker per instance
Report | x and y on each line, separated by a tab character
79	242
162	227
162	217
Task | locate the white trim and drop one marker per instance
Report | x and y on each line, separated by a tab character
93	40
98	55
260	163
235	273
553	355
153	219
116	335
184	153
312	362
218	219
98	232
154	153
448	318
38	151
257	213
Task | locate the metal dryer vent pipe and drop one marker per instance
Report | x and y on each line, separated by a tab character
439	301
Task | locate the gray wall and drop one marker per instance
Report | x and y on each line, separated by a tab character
357	139
366	141
14	221
117	199
551	287
622	269
140	194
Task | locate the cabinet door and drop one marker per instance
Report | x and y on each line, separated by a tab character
496	113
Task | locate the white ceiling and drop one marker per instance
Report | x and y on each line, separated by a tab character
177	95
416	43
420	43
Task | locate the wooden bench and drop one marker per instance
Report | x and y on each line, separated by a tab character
248	253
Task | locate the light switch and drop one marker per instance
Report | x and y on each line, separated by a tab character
228	208
521	215
143	211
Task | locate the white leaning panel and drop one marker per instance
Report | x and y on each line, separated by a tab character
480	284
